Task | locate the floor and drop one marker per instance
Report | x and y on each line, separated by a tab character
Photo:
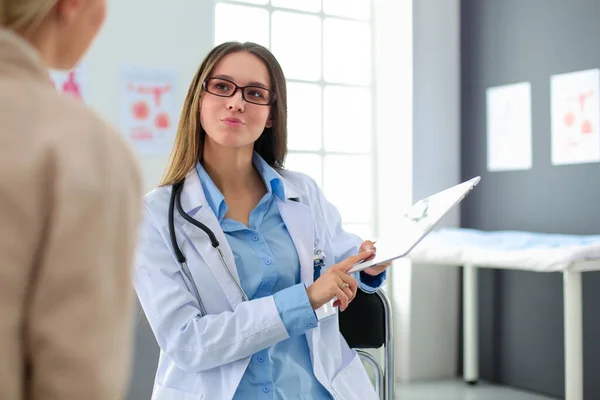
458	390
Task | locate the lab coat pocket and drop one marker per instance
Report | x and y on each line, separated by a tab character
353	383
166	393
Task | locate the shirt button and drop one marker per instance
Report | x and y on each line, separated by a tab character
310	326
266	286
260	359
255	238
268	261
266	389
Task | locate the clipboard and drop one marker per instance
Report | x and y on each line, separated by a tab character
421	219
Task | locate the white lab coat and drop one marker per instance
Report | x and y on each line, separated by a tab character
205	357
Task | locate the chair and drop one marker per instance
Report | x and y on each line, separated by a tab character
367	324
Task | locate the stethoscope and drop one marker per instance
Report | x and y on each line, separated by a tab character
175	202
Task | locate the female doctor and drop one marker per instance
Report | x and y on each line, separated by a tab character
229	264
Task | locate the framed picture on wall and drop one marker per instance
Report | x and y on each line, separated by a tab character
509	127
575	112
147	109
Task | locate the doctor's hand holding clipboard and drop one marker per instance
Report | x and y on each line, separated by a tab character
368	245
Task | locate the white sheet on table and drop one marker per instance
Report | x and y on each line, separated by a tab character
506	249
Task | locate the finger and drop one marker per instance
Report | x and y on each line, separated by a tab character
354	287
377	269
352	260
352	284
345	286
383	267
367	245
344	277
349	293
343	298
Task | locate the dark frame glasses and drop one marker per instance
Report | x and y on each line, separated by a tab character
247	91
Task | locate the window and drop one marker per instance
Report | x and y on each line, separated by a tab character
326	52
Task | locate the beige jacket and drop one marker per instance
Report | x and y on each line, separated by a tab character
70	198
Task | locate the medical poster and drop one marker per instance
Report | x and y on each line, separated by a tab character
72	83
509	127
147	111
574	117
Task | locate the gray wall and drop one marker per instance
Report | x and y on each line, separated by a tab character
521	313
433	301
145	360
436	97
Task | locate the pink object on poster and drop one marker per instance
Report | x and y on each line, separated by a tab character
147	109
72	83
71	86
575	117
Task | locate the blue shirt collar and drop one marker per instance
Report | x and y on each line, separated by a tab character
215	198
271	178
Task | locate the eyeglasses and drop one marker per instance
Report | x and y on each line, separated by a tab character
252	94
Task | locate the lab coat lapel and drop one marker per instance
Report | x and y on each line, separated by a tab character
299	222
193	202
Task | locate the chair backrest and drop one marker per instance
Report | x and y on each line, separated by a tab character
363	323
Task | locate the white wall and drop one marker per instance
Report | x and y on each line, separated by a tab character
173	35
393	71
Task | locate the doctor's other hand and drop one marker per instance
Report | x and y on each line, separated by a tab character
373	271
336	282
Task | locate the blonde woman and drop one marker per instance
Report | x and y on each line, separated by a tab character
240	260
70	197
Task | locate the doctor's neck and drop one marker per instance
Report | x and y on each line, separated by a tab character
231	169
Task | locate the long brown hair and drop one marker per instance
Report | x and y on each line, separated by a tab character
189	141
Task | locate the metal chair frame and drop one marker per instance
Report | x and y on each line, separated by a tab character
384	381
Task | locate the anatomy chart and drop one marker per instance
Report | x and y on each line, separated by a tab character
575	109
147	109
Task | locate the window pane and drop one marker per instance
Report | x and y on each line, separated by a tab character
364	231
348	8
347	119
296	42
310	164
241	23
253	1
304	116
347	185
347	51
304	5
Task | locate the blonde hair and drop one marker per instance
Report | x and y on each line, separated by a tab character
189	140
24	14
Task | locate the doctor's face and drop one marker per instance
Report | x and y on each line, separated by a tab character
239	120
